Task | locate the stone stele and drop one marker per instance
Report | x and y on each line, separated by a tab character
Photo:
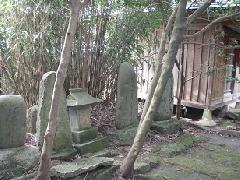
126	108
63	136
165	108
32	119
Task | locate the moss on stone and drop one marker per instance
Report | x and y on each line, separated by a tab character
183	143
166	126
141	167
166	173
105	173
106	153
64	154
153	159
79	166
123	136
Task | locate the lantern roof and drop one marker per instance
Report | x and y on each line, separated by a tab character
80	97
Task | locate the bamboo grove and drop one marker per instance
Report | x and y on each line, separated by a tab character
111	32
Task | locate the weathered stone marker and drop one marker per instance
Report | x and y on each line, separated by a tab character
164	123
12	121
63	138
32	119
126	109
15	157
165	108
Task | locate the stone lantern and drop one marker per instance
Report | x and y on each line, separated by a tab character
85	138
79	107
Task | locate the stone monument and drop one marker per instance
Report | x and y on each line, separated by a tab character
32	119
84	135
126	108
15	157
165	108
164	123
62	146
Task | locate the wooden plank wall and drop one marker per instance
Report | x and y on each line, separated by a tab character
199	56
218	84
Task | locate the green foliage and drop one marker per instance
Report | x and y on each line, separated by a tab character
109	32
133	26
30	43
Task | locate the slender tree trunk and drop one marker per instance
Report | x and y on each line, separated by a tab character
159	62
166	31
167	66
45	160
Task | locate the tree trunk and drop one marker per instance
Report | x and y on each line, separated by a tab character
159	62
167	66
166	31
45	160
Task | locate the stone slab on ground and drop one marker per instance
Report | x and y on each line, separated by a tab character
123	136
79	166
206	123
16	161
92	146
166	126
104	173
65	154
141	167
106	153
84	135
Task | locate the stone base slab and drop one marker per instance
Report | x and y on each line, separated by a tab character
79	166
64	154
166	126
83	136
95	145
206	123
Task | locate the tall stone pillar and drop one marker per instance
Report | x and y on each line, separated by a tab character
62	145
165	108
126	109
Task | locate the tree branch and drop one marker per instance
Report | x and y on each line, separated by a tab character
214	22
199	11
